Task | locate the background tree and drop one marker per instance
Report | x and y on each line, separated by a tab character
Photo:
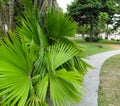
102	20
84	29
117	15
87	12
109	8
117	1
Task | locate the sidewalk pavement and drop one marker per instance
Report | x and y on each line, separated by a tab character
91	81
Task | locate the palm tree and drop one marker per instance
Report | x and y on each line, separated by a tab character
41	66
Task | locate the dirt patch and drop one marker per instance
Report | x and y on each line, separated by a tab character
115	46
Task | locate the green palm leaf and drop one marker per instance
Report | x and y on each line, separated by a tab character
31	30
65	90
15	67
58	25
41	88
65	87
76	62
71	76
61	53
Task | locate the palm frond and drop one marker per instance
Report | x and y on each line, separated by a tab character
77	62
80	48
65	87
80	65
71	76
65	90
41	88
31	30
60	53
15	67
58	24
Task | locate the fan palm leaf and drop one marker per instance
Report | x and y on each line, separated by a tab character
30	29
64	87
63	91
58	24
60	53
16	63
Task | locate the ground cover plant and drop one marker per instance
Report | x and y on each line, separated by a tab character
109	89
39	65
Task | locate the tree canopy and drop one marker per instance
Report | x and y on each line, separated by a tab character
84	11
88	11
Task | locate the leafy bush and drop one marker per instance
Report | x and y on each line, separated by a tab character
94	39
118	40
106	38
112	39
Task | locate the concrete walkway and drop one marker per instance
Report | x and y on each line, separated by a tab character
91	81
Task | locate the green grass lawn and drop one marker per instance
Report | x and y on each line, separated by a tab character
109	89
109	41
105	41
94	48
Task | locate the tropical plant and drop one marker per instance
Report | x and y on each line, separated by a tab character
40	66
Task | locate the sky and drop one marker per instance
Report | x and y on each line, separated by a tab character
63	4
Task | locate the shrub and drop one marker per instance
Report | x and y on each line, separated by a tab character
106	38
118	40
113	39
94	39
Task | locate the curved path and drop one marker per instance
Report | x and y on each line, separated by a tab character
91	81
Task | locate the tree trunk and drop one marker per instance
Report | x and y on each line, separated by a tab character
54	2
0	21
91	32
50	3
11	14
42	5
48	100
107	32
83	35
1	15
35	3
